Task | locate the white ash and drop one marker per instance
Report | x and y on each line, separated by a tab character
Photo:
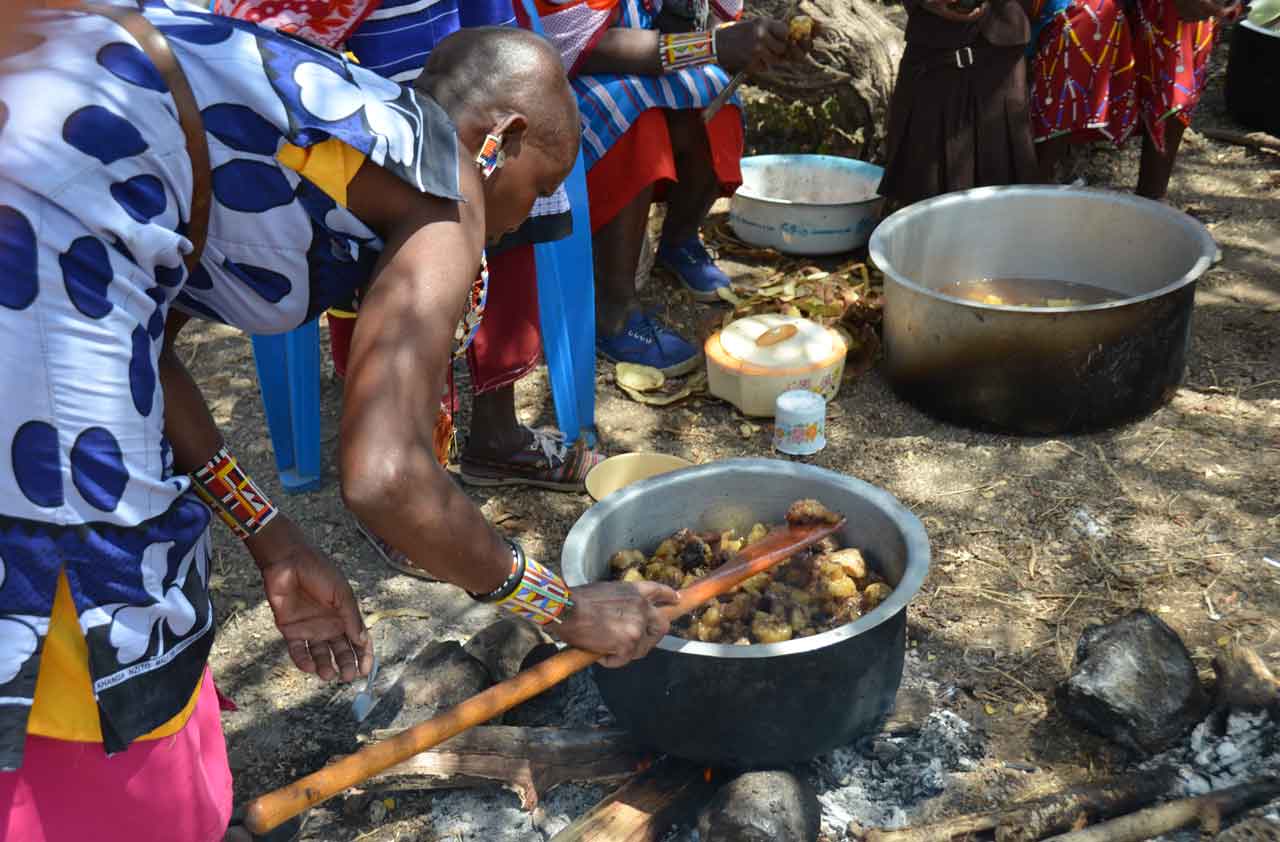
575	703
495	815
583	706
1244	748
882	781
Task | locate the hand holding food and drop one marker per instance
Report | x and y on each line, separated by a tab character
751	44
800	32
800	29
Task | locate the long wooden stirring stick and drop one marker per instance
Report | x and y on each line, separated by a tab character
267	812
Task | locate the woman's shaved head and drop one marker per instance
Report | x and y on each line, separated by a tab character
488	73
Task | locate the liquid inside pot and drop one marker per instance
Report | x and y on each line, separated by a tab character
1030	292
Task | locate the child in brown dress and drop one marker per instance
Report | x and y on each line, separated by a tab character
959	114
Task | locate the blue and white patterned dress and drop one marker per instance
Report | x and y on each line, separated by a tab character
95	185
610	102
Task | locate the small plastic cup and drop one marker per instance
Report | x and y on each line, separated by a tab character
799	423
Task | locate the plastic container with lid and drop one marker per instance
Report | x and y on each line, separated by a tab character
755	359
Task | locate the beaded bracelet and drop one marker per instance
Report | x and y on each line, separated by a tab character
508	584
232	495
686	49
531	591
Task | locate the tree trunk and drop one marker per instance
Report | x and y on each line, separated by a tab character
837	100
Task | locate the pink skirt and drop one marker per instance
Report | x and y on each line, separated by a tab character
173	788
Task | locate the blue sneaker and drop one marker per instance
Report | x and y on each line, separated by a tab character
645	341
695	269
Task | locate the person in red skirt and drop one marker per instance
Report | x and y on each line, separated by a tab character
1104	69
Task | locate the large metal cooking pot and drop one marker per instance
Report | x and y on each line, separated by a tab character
764	705
1039	370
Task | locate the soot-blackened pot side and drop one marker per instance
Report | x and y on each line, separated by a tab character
817	700
1069	372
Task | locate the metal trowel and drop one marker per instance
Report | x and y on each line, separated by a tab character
364	701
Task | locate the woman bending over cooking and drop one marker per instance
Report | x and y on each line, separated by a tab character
317	175
392	38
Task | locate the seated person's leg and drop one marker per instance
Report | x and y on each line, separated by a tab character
500	450
641	164
620	187
688	202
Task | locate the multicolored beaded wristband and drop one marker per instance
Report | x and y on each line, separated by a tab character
686	49
538	594
227	490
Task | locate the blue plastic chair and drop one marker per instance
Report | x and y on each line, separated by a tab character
289	381
567	306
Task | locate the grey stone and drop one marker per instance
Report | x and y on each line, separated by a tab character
502	646
761	807
440	676
1134	683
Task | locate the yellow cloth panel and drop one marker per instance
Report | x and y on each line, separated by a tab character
64	707
329	165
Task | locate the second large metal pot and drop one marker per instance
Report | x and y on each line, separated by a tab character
765	705
1039	370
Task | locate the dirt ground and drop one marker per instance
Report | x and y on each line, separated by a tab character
1032	538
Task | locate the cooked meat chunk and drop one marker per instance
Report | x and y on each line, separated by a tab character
804	512
876	593
690	550
626	558
667	574
855	566
740	606
767	628
827	545
799	28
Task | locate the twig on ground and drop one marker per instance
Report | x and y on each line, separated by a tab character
1252	140
972	488
373	618
1155	821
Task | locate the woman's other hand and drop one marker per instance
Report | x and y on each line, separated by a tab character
619	620
314	607
751	44
800	32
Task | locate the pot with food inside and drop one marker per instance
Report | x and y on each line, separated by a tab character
791	664
1039	310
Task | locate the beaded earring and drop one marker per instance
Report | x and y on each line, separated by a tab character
491	157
